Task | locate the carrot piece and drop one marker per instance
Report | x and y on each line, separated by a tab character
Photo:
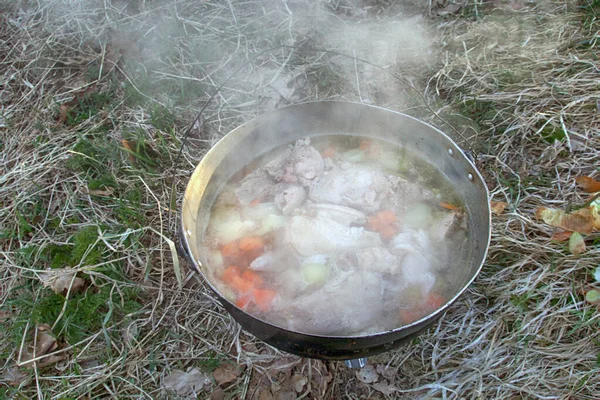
252	246
241	285
365	144
263	298
449	206
242	301
231	250
387	217
329	152
434	301
388	232
230	274
255	202
253	277
410	315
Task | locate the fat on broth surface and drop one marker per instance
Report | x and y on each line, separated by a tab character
339	235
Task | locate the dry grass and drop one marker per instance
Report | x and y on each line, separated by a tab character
522	83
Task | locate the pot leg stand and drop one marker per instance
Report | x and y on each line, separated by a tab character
356	363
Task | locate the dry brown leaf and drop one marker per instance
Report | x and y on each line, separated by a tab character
60	279
299	382
13	376
4	315
224	375
45	343
367	374
576	243
582	220
265	394
186	383
561	236
130	145
588	184
63	113
218	394
384	388
498	207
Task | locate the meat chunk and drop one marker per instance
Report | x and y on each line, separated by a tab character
351	305
352	185
301	164
289	197
446	225
313	236
256	185
344	215
377	259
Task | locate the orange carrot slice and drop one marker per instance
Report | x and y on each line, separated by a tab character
434	301
253	277
448	206
263	298
230	274
231	250
242	302
329	152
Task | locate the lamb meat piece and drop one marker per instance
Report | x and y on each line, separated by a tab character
377	259
342	214
313	236
353	185
351	305
407	193
289	197
256	185
447	225
300	164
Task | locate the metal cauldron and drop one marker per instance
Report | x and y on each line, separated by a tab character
245	143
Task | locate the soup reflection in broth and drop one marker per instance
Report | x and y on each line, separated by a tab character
338	235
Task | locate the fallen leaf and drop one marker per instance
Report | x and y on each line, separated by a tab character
588	184
45	343
597	274
129	145
384	388
367	374
576	243
60	279
218	394
224	375
4	315
386	372
581	220
561	236
498	207
593	296
186	383
265	394
299	382
63	113
12	376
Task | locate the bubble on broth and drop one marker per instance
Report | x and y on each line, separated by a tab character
340	235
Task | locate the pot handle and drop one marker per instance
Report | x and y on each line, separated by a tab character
182	250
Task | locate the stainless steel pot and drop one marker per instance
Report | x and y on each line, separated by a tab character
245	143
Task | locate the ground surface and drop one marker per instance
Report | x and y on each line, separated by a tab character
96	97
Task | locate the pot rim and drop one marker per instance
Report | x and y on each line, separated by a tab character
431	316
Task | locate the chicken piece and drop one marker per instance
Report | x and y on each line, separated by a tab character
446	225
416	274
320	235
301	164
344	215
377	259
274	260
289	197
352	185
407	193
410	241
255	186
350	306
